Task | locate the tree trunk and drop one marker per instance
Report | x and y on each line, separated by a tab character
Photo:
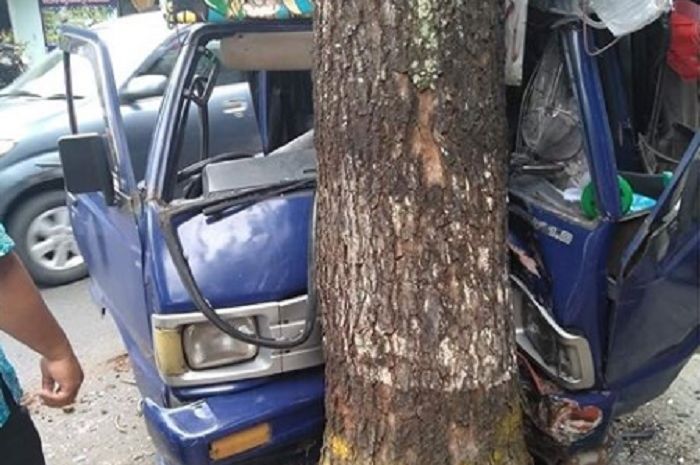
412	269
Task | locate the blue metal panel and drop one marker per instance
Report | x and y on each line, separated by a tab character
650	382
292	405
145	373
108	235
578	271
256	255
598	139
109	240
658	293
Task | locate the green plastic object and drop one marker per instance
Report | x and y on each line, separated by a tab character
589	203
668	175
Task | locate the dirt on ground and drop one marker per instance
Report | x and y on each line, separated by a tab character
106	427
667	430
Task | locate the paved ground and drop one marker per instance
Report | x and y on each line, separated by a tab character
105	427
674	421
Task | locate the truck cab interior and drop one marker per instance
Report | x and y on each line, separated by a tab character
652	115
273	92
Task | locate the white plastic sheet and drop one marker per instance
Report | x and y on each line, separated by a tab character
516	23
623	17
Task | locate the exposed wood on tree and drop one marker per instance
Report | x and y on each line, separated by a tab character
412	268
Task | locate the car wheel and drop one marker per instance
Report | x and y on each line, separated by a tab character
42	231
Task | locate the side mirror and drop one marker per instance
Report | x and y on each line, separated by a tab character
86	168
140	87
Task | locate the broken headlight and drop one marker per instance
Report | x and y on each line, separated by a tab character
206	346
565	357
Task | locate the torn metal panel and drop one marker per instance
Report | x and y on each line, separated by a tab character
563	420
567	421
529	263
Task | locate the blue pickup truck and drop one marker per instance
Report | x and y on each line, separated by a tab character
205	264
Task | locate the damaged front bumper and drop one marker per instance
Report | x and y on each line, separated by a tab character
564	427
241	427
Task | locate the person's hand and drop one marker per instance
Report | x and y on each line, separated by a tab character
61	380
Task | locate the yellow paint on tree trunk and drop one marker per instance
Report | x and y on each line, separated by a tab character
508	432
510	426
339	447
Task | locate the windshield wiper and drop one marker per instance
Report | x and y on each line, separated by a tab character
251	196
62	97
20	93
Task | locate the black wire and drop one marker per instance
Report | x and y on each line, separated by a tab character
250	197
183	269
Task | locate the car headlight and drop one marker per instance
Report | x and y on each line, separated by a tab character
554	354
564	356
206	346
6	145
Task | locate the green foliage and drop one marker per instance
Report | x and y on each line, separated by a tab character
11	61
84	16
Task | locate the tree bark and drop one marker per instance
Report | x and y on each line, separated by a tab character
412	269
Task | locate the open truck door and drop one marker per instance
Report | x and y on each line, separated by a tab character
654	324
103	197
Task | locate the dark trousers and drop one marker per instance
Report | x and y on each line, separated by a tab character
20	443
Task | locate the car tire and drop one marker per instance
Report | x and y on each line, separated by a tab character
41	229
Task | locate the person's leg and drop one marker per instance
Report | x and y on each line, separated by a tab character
20	443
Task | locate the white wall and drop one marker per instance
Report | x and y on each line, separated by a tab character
26	25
